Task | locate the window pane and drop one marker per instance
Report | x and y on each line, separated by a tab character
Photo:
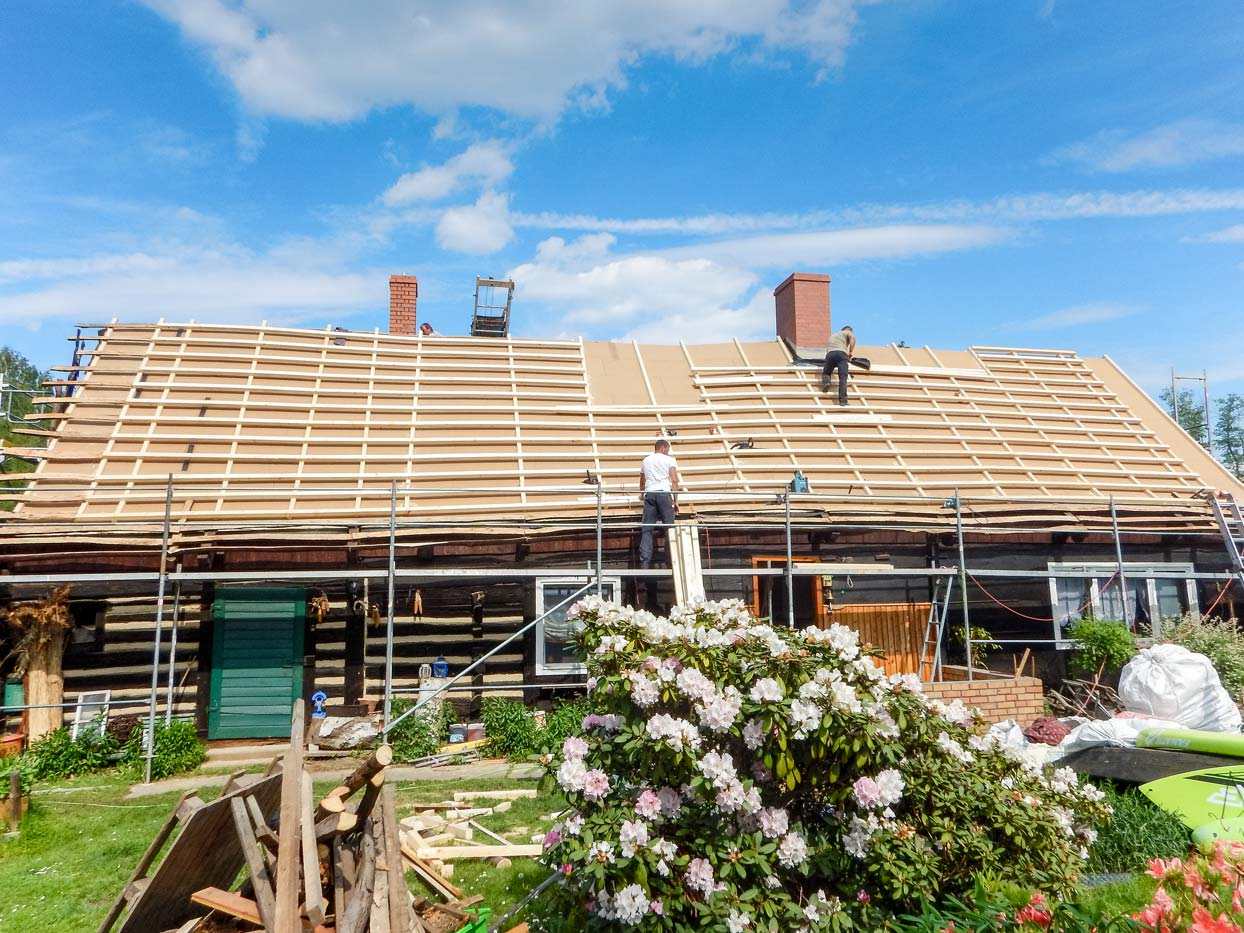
1073	599
558	631
1112	603
1172	598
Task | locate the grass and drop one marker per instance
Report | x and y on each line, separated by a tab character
82	839
1118	897
1138	832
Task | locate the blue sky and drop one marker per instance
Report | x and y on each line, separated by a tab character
1028	173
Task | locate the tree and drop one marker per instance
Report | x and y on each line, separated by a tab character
1189	412
21	378
1229	432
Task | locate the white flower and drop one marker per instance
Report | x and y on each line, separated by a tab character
610	644
774	822
678	734
766	690
630	904
805	717
601	851
792	850
891	785
643	690
574	748
571	775
754	734
719	714
694	684
699	877
954	749
573	824
719	769
632	836
737	922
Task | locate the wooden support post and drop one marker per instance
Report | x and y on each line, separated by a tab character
370	794
314	893
380	759
355	662
287	857
15	801
399	894
261	881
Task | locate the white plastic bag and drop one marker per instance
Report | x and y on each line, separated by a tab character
1171	682
1117	732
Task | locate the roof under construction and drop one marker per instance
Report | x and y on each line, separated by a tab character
264	426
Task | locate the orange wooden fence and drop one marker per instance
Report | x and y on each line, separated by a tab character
895	628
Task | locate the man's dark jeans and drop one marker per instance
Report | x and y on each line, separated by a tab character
836	359
658	506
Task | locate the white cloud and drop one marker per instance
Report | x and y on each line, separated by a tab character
482	164
324	60
479	229
1075	316
708	291
1020	208
1173	145
176	281
1228	235
831	247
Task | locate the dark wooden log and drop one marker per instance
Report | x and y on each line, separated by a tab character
377	761
358	907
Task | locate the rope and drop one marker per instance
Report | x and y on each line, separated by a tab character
1024	615
1218	599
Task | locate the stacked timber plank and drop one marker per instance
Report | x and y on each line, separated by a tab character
335	866
441	832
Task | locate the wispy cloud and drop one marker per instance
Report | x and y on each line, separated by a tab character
1173	145
483	164
1227	235
1017	208
1074	316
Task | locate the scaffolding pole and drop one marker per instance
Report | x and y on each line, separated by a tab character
388	631
963	584
159	632
790	563
600	540
1118	553
172	650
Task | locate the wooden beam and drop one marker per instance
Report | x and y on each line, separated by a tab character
286	919
261	881
314	893
227	902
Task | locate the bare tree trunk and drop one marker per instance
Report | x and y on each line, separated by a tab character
45	685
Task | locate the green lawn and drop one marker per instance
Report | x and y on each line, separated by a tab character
81	841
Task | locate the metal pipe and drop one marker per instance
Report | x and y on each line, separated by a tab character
790	576
159	632
1118	552
963	582
482	658
172	650
473	688
388	631
600	541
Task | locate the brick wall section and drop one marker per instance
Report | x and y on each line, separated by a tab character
403	295
1018	698
802	306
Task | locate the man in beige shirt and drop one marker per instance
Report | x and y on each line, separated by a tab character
838	357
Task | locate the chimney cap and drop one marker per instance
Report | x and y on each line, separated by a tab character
802	277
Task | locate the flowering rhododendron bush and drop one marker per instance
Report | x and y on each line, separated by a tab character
745	777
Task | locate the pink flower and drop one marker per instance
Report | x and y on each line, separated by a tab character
867	793
574	747
595	784
567	868
648	805
552	838
1204	922
657	907
863	896
1160	868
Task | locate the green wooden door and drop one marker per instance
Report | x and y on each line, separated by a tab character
256	662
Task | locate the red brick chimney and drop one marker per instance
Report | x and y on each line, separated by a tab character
802	305
403	293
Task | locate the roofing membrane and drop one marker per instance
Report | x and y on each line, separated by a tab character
269	424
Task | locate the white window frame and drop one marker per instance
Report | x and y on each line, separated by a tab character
543	669
1093	571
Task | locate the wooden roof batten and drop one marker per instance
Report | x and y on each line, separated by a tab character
262	424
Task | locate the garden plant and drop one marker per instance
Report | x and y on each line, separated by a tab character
743	777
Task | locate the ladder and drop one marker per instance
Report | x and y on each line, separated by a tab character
931	650
491	317
1231	524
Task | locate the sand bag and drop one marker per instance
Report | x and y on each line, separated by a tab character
1171	682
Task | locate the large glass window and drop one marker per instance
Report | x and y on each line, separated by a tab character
1155	593
555	650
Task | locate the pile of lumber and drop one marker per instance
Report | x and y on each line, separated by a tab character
336	866
442	832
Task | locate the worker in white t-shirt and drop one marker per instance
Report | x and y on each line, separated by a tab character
658	480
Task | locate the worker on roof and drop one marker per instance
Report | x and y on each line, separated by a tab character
838	357
658	481
426	330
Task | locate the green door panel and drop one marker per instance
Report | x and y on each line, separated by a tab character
256	662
